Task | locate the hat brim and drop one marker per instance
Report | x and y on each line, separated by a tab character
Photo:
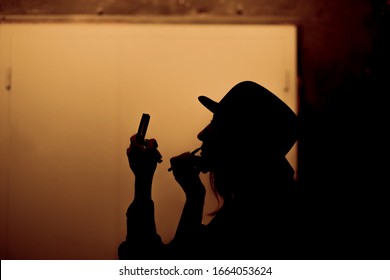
208	103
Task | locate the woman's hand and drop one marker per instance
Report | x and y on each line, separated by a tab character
143	157
185	168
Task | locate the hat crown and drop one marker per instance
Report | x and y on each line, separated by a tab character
253	111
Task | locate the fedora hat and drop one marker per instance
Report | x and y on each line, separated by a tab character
250	111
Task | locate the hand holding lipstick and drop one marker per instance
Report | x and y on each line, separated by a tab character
192	153
186	170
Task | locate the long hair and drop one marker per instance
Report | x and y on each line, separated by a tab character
232	183
216	194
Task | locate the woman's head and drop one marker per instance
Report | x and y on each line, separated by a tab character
248	121
250	126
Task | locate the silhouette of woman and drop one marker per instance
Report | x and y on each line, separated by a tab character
243	149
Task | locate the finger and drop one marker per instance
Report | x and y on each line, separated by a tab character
135	144
182	158
158	156
133	150
133	139
151	144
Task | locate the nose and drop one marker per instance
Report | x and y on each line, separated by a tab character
203	134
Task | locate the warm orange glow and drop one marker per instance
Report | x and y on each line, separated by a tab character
78	92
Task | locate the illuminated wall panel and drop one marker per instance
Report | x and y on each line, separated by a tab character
73	94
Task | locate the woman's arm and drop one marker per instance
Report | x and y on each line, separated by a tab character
142	240
189	230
